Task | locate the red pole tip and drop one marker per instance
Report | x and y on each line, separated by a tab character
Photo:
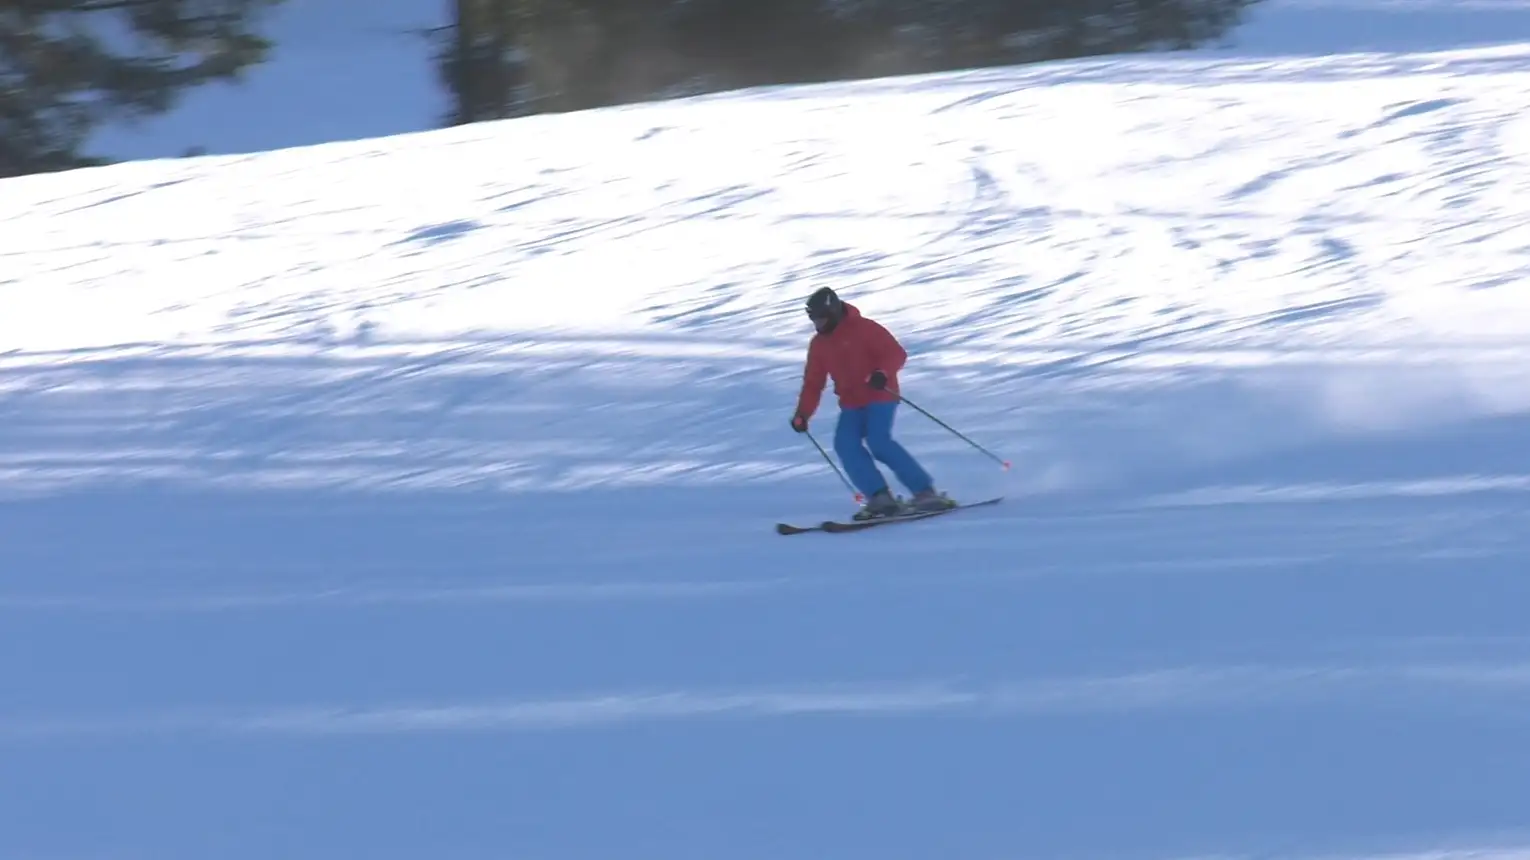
1006	465
859	498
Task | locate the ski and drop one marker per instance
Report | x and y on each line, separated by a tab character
833	527
837	527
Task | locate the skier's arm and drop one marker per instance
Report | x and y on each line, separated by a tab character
814	376
887	354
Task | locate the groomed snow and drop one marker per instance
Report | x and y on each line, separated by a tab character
413	497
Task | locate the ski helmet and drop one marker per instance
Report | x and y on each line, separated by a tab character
825	309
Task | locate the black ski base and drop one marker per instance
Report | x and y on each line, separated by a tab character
836	527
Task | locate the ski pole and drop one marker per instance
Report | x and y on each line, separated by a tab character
832	465
991	455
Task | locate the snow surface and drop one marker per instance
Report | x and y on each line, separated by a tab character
413	497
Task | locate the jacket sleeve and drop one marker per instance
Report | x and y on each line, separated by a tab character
887	354
814	376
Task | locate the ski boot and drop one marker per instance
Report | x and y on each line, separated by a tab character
881	504
930	501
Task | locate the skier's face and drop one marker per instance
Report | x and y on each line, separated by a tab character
823	321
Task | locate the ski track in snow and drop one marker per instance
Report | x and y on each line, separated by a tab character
1193	687
406	498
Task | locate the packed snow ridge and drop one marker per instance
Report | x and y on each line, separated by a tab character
1359	201
1367	213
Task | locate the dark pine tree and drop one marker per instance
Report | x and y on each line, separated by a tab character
477	61
742	43
503	58
515	57
69	66
974	33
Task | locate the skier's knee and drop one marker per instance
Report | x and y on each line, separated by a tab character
849	449
882	446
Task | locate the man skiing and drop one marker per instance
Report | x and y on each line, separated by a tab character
863	358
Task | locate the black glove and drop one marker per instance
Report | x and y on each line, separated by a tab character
877	380
799	423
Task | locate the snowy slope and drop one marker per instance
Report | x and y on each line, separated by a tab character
412	497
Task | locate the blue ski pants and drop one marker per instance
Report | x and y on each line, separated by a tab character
871	427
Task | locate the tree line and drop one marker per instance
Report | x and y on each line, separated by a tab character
68	67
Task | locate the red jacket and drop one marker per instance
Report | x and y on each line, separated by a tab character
849	354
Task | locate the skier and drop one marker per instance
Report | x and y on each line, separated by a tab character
863	358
